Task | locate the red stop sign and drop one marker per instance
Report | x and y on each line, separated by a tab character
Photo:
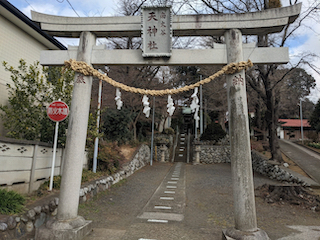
58	111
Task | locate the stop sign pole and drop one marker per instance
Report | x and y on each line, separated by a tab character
57	112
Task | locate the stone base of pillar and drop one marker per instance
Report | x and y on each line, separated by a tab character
234	234
75	229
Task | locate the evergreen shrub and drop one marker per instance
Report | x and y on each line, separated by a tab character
11	202
213	132
115	125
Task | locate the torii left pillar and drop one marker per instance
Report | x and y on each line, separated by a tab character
68	225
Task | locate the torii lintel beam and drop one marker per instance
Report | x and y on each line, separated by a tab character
254	23
216	56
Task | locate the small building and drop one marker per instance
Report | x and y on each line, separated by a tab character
20	38
291	129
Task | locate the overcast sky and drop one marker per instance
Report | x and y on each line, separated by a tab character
307	39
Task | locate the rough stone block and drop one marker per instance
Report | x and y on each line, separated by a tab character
54	213
45	208
52	205
29	226
31	214
37	209
11	223
56	201
3	226
20	230
81	193
18	219
24	218
40	220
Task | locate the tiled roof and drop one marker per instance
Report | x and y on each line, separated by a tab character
294	122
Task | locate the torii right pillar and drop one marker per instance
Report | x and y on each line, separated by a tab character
241	163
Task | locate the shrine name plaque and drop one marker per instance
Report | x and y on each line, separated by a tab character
156	31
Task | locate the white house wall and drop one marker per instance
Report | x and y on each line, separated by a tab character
15	44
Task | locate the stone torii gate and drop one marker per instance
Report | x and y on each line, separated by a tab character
68	225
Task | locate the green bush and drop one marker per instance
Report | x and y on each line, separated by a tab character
213	132
115	125
55	183
314	145
11	202
33	88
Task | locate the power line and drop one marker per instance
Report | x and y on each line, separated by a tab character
70	6
30	5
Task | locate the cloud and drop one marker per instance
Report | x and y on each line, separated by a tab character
40	7
85	8
97	8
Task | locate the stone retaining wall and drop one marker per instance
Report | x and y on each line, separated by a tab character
261	165
16	227
221	154
157	154
213	154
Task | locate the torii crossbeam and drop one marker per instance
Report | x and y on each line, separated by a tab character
256	23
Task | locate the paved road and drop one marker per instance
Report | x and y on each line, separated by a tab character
183	201
307	159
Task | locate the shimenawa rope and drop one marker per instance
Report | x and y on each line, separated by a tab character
85	69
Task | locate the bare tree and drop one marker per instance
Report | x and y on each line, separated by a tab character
265	80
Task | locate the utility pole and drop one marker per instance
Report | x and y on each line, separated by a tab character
96	141
152	134
301	120
201	109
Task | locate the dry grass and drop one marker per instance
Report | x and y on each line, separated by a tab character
127	151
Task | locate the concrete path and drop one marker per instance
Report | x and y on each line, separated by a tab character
183	201
169	200
306	159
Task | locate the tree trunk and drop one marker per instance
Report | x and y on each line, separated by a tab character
260	121
272	120
222	120
134	132
134	126
271	101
